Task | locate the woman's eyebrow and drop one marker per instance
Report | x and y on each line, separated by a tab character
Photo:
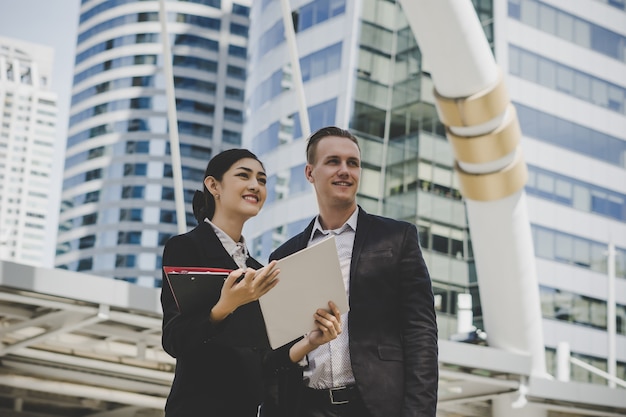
251	170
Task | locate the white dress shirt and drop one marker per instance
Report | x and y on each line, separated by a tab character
329	365
237	250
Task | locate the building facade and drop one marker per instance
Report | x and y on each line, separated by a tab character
118	204
564	66
28	113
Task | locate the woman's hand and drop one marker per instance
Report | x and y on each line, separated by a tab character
242	287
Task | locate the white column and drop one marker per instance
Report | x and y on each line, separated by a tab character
611	325
296	74
562	362
450	36
172	120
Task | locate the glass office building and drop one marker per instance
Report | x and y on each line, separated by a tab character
118	198
28	116
565	67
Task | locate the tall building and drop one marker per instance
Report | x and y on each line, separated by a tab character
118	198
28	112
564	64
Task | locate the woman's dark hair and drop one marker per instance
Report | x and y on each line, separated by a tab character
204	202
320	134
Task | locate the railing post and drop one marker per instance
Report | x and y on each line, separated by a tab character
562	362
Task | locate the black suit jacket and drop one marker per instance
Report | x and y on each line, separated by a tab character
393	328
212	378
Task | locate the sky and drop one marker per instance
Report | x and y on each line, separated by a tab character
52	23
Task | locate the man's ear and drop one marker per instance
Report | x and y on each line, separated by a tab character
308	169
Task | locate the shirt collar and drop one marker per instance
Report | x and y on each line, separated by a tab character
229	244
349	224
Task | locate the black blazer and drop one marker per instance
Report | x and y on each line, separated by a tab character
393	328
212	378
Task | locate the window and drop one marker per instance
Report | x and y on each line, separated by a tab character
142	147
87	242
233	115
135	170
85	264
129	238
234	93
236	72
89	219
168	216
125	261
238	29
237	51
231	137
92	196
241	10
131	214
133	191
163	238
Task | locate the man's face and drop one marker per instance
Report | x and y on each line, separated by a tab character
336	171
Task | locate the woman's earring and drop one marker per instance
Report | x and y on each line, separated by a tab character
217	196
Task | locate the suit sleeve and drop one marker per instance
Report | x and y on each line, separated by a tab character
419	330
182	333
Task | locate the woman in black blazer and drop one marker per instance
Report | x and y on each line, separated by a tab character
215	374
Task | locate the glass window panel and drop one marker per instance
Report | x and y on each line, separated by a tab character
532	178
565	79
563	305
440	243
582	198
563	189
565	26
544	243
547	73
582	86
547	19
514	61
620	316
545	183
529	13
547	302
529	67
599	93
582	252
564	247
620	263
597	314
616	98
582	33
598	258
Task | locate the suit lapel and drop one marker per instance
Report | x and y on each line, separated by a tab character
214	251
362	230
305	236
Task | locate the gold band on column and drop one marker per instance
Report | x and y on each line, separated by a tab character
495	185
490	147
474	110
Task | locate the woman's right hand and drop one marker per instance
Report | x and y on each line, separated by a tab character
242	287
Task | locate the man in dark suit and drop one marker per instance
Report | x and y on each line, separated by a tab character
384	363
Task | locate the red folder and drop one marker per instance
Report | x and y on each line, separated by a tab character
195	287
196	290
